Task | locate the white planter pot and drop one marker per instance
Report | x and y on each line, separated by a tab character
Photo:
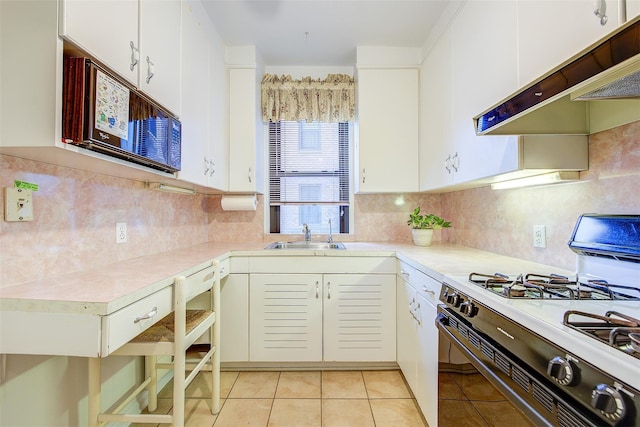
422	237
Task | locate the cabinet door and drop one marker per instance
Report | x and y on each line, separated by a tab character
359	317
242	129
105	29
484	72
406	334
551	33
436	117
388	130
234	318
427	362
218	158
195	86
160	51
285	317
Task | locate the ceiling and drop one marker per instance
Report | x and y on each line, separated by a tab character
322	32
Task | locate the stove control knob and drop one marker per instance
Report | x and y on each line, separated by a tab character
468	308
561	370
608	401
453	299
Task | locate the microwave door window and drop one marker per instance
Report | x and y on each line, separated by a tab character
154	139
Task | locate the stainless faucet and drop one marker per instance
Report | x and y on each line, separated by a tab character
330	238
307	232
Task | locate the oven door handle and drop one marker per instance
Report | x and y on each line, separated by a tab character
442	322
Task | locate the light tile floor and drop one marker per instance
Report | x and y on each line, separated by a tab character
299	399
339	399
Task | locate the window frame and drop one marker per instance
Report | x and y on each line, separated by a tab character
273	214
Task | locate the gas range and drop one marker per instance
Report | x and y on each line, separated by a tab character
561	348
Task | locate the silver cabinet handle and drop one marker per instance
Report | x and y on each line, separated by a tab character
206	166
135	56
149	315
317	290
328	290
364	175
429	291
447	163
250	175
455	162
150	69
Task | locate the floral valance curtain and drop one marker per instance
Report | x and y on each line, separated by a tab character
330	100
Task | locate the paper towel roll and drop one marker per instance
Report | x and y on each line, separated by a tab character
239	203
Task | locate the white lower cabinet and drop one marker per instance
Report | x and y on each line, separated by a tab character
322	317
234	318
285	317
418	337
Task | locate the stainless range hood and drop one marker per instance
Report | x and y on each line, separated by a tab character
603	79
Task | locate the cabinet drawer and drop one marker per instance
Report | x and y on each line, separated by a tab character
121	326
424	284
225	267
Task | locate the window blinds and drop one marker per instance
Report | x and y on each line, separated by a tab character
308	163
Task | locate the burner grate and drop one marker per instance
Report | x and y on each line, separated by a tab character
553	286
613	328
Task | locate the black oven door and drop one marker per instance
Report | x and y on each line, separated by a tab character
534	396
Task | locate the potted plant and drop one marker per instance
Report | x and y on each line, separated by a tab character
423	226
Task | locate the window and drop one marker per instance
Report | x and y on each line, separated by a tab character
308	177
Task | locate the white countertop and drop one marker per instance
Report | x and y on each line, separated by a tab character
104	290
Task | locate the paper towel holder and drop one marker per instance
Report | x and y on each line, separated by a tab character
239	202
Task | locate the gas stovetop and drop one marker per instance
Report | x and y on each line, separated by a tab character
546	318
553	286
567	346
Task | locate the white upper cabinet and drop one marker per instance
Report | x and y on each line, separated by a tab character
549	33
246	130
203	110
388	130
138	39
90	24
160	51
473	64
195	89
436	117
484	70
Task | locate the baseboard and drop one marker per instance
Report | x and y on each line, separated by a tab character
307	366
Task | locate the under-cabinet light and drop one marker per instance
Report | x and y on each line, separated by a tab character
544	179
172	189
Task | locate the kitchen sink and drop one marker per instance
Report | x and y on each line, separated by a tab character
306	245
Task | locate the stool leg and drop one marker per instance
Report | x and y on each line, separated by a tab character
94	395
152	372
179	376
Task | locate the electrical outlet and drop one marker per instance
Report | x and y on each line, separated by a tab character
121	232
539	236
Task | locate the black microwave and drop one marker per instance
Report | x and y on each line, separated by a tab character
104	113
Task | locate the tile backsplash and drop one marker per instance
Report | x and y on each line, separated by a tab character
76	213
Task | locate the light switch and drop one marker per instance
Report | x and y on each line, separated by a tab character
18	204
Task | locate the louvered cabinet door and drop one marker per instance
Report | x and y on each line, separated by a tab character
285	317
359	317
